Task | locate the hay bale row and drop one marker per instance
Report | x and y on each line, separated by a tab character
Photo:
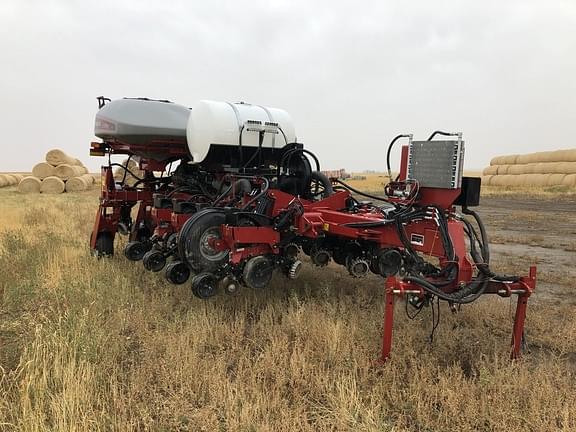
540	180
10	179
532	168
55	185
58	173
568	155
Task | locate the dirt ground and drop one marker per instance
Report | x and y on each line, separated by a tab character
535	231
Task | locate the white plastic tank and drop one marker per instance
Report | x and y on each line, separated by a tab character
221	123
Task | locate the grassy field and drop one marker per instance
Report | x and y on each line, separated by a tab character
89	344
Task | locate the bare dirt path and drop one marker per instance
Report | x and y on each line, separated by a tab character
526	231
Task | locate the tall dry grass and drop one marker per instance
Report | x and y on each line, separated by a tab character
90	344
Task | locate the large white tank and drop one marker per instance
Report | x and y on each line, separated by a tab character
214	123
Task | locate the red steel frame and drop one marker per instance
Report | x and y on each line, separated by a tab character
522	288
325	217
115	199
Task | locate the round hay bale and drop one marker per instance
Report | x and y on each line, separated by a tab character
509	160
57	157
486	180
496	160
568	155
79	184
3	181
18	177
517	169
52	185
554	168
490	170
555	179
129	179
29	184
498	180
76	184
43	170
569	180
537	180
567	167
66	171
10	179
502	169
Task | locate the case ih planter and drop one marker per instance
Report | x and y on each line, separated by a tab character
246	200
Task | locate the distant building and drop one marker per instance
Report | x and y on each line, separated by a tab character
340	174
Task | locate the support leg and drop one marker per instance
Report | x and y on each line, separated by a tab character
388	321
518	330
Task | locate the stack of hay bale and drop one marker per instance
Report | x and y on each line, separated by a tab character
10	179
128	176
551	168
57	174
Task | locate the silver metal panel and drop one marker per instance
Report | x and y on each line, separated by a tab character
436	164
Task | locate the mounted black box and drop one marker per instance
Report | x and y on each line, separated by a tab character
470	192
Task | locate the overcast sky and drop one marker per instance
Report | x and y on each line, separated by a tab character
351	73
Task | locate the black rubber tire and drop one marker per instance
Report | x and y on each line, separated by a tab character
192	241
258	272
104	244
321	179
135	250
154	261
177	272
204	285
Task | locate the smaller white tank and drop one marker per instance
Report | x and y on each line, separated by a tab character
214	123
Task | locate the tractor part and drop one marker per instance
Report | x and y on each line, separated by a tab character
388	262
177	272
294	270
229	285
204	285
258	272
154	260
198	241
135	250
320	257
104	245
358	267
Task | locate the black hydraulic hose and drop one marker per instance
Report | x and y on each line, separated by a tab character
438	132
126	170
464	296
390	150
361	193
484	266
260	195
483	232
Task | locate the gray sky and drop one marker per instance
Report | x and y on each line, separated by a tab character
351	73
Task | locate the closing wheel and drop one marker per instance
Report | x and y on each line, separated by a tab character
204	285
104	245
196	241
154	260
135	250
258	272
177	272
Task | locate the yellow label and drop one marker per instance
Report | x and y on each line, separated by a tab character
326	227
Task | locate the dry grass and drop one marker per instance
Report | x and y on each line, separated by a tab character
91	344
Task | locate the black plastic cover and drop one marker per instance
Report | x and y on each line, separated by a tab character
470	192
